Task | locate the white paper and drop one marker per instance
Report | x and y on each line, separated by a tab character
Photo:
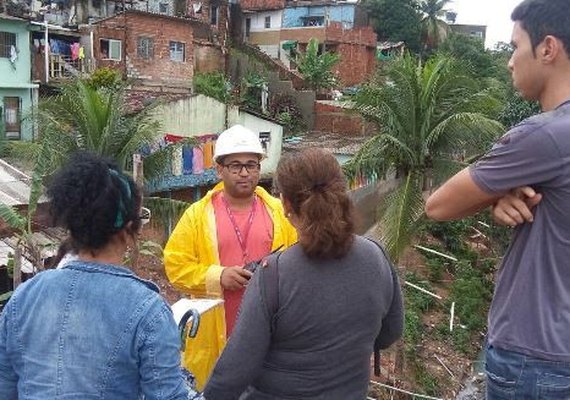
201	305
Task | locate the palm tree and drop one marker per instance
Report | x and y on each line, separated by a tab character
434	29
83	117
429	117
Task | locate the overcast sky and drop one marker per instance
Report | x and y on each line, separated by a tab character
496	14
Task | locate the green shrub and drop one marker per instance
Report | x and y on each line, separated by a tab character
461	340
427	381
285	109
213	84
436	267
416	300
413	329
471	295
104	77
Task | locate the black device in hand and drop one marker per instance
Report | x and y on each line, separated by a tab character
252	266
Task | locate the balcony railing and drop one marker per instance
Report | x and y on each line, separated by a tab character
61	66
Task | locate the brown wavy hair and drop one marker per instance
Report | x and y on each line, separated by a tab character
314	184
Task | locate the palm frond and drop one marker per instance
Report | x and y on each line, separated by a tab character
12	217
41	169
404	207
166	212
465	131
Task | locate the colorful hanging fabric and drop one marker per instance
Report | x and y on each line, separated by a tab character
187	156
208	154
75	51
177	162
197	161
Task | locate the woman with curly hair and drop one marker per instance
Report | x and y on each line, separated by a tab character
312	316
92	329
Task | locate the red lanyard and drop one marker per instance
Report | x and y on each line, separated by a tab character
242	239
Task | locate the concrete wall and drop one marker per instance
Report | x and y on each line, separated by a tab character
193	116
258	20
15	79
368	200
201	115
16	74
239	64
273	147
343	13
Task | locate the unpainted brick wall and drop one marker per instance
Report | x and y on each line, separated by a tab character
338	120
251	5
208	58
221	28
159	69
357	63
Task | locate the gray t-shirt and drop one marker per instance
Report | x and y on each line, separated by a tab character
329	313
530	312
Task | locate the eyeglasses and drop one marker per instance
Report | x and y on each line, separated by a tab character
144	215
236	167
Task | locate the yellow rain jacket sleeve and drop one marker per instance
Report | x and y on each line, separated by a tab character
191	257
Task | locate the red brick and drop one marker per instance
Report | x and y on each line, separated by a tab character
332	119
158	70
252	5
208	58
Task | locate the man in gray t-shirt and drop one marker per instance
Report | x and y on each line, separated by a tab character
528	350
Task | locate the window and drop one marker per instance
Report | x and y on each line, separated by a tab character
177	51
213	15
313	20
110	49
163	8
247	27
7	40
265	139
145	48
12	111
267	22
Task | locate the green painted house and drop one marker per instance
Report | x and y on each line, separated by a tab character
17	92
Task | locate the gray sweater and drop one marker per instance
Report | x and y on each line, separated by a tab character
330	312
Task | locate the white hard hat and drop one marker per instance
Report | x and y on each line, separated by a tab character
237	139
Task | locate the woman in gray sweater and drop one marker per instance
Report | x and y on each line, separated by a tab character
310	317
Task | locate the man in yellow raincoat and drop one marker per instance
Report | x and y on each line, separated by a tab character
235	223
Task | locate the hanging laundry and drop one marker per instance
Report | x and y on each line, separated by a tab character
13	55
208	155
82	53
197	161
187	156
173	138
75	51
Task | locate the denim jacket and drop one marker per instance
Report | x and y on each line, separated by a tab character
89	331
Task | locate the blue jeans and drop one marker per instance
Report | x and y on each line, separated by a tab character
513	375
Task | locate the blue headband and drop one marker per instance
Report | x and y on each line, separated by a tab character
121	211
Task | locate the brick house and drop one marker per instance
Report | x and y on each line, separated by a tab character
151	49
279	27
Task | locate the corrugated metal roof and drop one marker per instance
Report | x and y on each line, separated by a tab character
14	185
48	240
